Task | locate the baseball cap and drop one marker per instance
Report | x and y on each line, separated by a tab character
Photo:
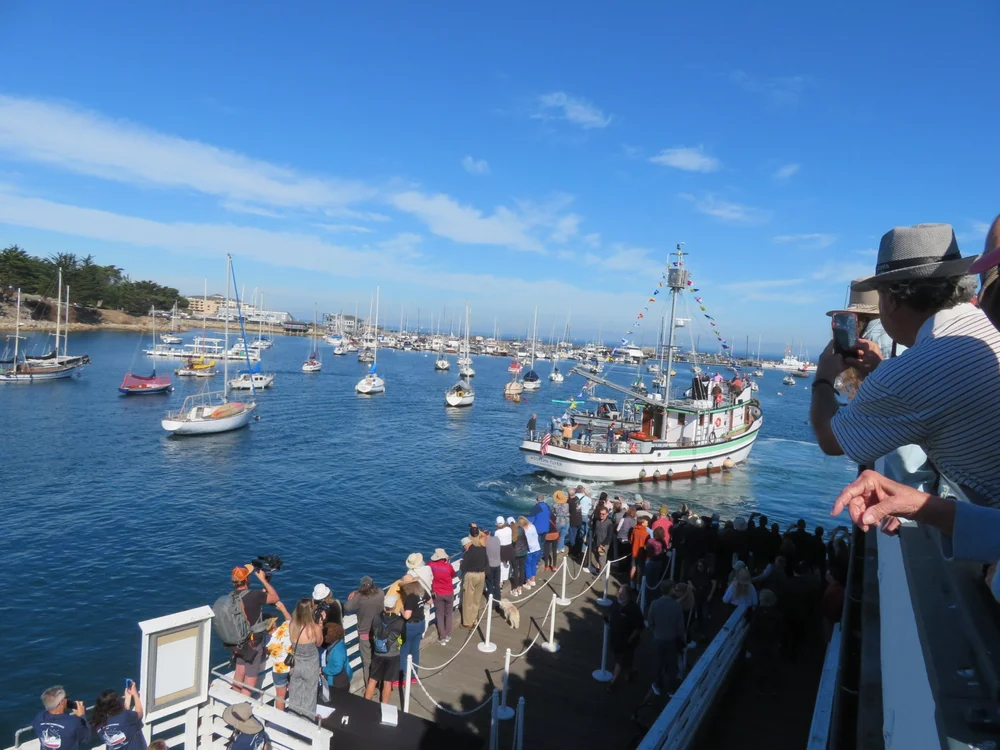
390	601
320	591
367	581
241	572
500	521
510	519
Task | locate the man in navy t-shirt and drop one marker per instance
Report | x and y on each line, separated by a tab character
61	726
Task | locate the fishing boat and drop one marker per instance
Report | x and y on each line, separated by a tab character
211	412
678	438
19	370
530	381
460	394
372	383
134	385
314	363
171	336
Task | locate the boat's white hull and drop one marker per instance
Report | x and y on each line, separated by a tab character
513	388
531	385
442	365
665	463
166	339
260	381
56	373
455	400
191	426
466	372
185	373
312	366
370	386
556	377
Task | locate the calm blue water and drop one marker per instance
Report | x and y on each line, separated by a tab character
109	522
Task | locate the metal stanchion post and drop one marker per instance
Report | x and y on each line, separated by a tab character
409	679
504	711
604	601
642	594
519	735
550	645
673	564
487	646
602	674
562	601
494	723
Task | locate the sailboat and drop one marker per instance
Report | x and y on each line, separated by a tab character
54	366
371	383
315	361
465	367
679	438
261	342
146	384
212	412
198	367
462	393
531	381
442	363
171	336
22	371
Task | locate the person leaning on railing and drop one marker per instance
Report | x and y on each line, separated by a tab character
944	393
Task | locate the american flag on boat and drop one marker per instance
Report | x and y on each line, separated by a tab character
546	439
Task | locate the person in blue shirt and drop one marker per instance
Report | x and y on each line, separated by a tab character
336	667
539	516
61	726
248	732
116	723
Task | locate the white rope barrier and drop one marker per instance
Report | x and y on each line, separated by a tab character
487	646
448	710
604	601
526	598
602	674
534	640
442	666
593	583
562	601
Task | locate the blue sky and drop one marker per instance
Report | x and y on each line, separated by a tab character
515	155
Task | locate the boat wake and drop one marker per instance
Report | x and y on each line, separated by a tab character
787	440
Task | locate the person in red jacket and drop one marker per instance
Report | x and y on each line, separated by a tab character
443	590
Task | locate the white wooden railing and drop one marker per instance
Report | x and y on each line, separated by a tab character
678	723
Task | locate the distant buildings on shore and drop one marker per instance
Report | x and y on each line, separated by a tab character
215	307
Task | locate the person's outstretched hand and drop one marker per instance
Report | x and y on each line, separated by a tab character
873	500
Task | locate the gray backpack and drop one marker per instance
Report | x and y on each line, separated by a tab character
230	620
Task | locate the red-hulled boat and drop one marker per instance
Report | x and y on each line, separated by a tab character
139	384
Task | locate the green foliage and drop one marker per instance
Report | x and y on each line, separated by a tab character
90	284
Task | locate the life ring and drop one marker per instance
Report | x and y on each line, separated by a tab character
718	421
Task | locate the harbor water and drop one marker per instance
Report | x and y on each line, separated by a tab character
108	521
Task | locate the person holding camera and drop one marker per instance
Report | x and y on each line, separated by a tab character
250	655
62	725
118	723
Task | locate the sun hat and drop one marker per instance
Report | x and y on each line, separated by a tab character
390	601
240	717
923	251
241	572
865	303
466	541
320	591
500	521
414	560
560	497
439	554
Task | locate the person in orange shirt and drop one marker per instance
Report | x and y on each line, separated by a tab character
639	536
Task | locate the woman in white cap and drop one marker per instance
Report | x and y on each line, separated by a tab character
503	536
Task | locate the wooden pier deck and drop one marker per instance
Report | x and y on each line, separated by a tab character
564	704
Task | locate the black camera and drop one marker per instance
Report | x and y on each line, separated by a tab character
267	563
321	608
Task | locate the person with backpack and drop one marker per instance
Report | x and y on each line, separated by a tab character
387	633
240	625
334	662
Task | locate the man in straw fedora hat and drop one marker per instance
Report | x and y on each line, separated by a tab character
944	393
248	732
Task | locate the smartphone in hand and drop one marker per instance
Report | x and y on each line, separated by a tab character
128	684
845	333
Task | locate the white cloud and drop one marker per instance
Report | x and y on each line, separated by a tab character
593	239
980	227
445	217
88	143
777	89
580	112
813	241
728	211
342	228
404	246
475	166
238	207
786	171
687	158
841	272
623	258
565	255
566	228
870	252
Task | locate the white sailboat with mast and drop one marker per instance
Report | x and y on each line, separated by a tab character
19	370
531	381
315	361
713	429
462	393
212	412
372	383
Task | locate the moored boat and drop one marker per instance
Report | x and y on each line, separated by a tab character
138	385
372	383
460	394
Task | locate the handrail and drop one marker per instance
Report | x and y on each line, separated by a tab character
819	730
678	723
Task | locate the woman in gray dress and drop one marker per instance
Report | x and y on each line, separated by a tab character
306	636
